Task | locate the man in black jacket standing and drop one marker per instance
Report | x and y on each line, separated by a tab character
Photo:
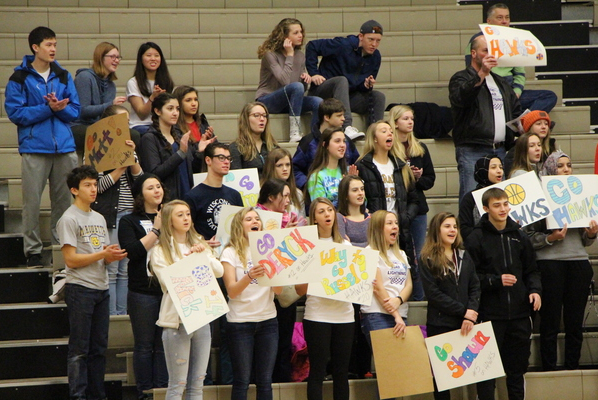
506	266
481	103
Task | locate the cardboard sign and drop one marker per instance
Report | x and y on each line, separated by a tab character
528	201
513	47
462	360
402	365
346	273
105	146
573	200
286	255
270	220
194	291
245	181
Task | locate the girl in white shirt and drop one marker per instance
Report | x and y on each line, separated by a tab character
186	354
252	326
328	324
393	285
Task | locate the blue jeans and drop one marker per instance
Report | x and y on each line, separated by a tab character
187	357
376	321
253	347
418	228
290	99
544	100
118	277
89	318
466	158
149	363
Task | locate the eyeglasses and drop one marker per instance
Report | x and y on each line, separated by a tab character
258	115
113	57
222	157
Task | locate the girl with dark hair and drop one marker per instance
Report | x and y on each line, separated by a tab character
283	77
255	140
528	153
488	171
190	119
329	166
138	233
151	78
353	219
279	165
165	151
450	281
275	196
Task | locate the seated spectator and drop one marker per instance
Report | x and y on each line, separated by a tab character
275	196
278	165
330	115
283	78
347	72
190	119
528	151
251	148
151	78
544	100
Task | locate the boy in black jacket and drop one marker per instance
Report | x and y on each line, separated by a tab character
506	265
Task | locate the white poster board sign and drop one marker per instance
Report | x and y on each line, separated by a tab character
346	273
524	192
285	254
573	200
462	360
194	291
245	181
513	47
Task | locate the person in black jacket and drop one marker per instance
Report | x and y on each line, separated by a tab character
138	233
390	185
477	95
450	281
505	262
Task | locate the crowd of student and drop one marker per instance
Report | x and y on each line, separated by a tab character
471	268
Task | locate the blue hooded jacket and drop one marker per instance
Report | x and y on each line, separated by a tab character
40	129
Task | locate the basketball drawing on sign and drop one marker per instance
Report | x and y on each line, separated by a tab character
515	193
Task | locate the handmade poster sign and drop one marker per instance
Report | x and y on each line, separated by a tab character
285	254
245	181
270	220
513	47
346	273
459	360
573	200
528	201
194	291
105	146
402	365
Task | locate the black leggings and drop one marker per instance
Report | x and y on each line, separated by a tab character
328	341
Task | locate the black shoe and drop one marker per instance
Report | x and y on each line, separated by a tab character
34	261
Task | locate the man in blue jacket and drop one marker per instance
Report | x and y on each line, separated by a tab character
348	72
41	100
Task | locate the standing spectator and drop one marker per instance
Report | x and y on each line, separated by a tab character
544	100
528	152
283	78
187	354
252	325
481	103
348	72
330	115
506	266
41	100
255	140
566	278
278	165
418	157
165	151
86	250
138	233
151	78
488	171
450	282
353	218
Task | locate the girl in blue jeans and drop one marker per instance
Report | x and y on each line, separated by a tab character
187	354
393	285
283	77
252	324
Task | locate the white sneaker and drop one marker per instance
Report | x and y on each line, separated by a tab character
58	279
353	133
295	137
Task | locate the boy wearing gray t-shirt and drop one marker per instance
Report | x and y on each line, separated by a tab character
86	250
